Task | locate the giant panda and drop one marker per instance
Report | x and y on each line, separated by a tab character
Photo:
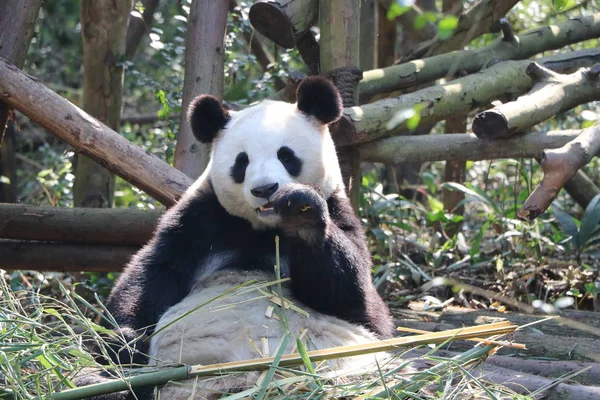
273	172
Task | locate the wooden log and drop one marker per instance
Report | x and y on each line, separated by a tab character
526	45
17	255
461	147
119	226
551	94
559	166
284	21
204	72
90	137
505	81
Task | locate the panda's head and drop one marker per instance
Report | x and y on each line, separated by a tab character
258	150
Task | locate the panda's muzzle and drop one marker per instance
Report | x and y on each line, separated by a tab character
264	192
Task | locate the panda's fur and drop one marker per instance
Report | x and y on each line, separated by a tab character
279	156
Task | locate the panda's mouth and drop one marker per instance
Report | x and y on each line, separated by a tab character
266	209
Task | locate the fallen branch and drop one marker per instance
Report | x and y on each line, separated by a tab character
118	226
559	166
460	146
503	81
509	47
551	94
474	22
18	255
90	137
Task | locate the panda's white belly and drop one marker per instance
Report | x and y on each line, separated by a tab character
234	327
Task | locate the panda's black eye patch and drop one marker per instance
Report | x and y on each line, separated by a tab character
238	170
290	161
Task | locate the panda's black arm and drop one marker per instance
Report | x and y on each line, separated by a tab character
162	272
330	264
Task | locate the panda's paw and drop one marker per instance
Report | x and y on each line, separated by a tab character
302	209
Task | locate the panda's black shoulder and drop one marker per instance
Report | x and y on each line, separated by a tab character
199	208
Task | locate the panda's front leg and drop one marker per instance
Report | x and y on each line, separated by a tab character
303	211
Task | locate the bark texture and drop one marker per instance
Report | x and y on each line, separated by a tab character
121	226
204	55
339	24
284	21
504	80
559	166
552	94
15	255
528	44
17	25
104	25
90	137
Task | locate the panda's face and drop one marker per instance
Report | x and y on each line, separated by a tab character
262	149
257	151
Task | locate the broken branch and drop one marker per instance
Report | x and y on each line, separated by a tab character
560	165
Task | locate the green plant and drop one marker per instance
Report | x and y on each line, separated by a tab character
581	234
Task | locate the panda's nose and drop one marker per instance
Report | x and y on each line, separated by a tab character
264	191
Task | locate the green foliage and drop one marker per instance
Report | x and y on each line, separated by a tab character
446	26
581	234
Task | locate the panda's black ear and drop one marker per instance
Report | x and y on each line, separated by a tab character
319	98
207	117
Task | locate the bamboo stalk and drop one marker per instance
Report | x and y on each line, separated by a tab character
181	373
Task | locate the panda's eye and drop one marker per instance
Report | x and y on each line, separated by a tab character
238	170
290	161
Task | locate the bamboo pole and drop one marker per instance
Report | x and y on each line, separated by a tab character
180	373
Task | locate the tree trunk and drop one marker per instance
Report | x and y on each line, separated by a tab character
104	25
339	23
454	171
17	24
204	55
